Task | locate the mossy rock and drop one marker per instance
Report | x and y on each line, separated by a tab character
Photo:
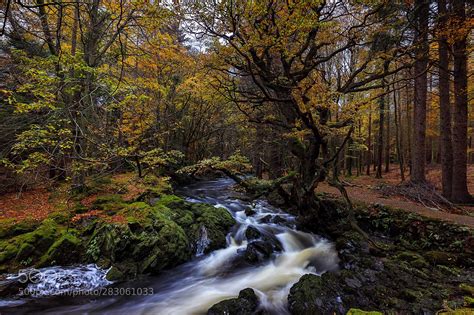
414	259
469	301
245	304
356	311
192	217
459	311
114	274
313	295
150	240
10	228
61	217
64	251
217	221
441	258
109	203
25	249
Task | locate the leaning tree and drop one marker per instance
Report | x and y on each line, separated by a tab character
289	64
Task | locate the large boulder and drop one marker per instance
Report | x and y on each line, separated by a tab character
147	242
245	304
133	237
152	238
258	251
27	249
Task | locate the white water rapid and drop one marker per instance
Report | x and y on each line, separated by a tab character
194	287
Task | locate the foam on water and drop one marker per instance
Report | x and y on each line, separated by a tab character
195	286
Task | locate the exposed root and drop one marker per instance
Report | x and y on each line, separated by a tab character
425	194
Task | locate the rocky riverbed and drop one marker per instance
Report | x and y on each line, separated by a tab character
214	250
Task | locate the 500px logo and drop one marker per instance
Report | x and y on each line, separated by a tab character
30	275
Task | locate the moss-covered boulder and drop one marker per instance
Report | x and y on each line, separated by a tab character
412	265
26	249
67	249
150	238
316	295
356	311
194	217
245	304
132	236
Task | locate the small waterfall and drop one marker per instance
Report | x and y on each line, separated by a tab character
202	242
194	287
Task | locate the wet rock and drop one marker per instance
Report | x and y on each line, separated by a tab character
252	233
258	251
356	311
441	258
315	295
245	304
266	219
278	220
249	211
114	274
9	287
66	250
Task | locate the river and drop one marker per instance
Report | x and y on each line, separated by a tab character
195	286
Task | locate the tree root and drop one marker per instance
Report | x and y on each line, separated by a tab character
425	194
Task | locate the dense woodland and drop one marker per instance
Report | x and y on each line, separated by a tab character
296	93
92	87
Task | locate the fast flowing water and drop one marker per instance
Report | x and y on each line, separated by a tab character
195	286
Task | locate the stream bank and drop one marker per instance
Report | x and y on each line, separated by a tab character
415	266
269	263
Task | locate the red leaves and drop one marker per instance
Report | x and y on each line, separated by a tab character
89	214
33	204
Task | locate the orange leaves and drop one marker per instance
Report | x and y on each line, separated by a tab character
99	214
90	214
33	204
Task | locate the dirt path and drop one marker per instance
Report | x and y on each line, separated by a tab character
362	192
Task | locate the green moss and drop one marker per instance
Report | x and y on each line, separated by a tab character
60	217
9	227
441	258
26	248
114	274
109	203
172	202
467	288
459	311
65	250
356	311
217	222
157	186
150	239
469	301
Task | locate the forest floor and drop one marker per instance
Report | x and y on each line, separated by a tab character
38	203
368	189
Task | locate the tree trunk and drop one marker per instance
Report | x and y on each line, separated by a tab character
380	144
349	157
409	134
398	134
369	144
444	105
387	139
419	114
459	189
380	137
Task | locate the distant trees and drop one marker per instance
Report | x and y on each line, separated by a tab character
312	88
